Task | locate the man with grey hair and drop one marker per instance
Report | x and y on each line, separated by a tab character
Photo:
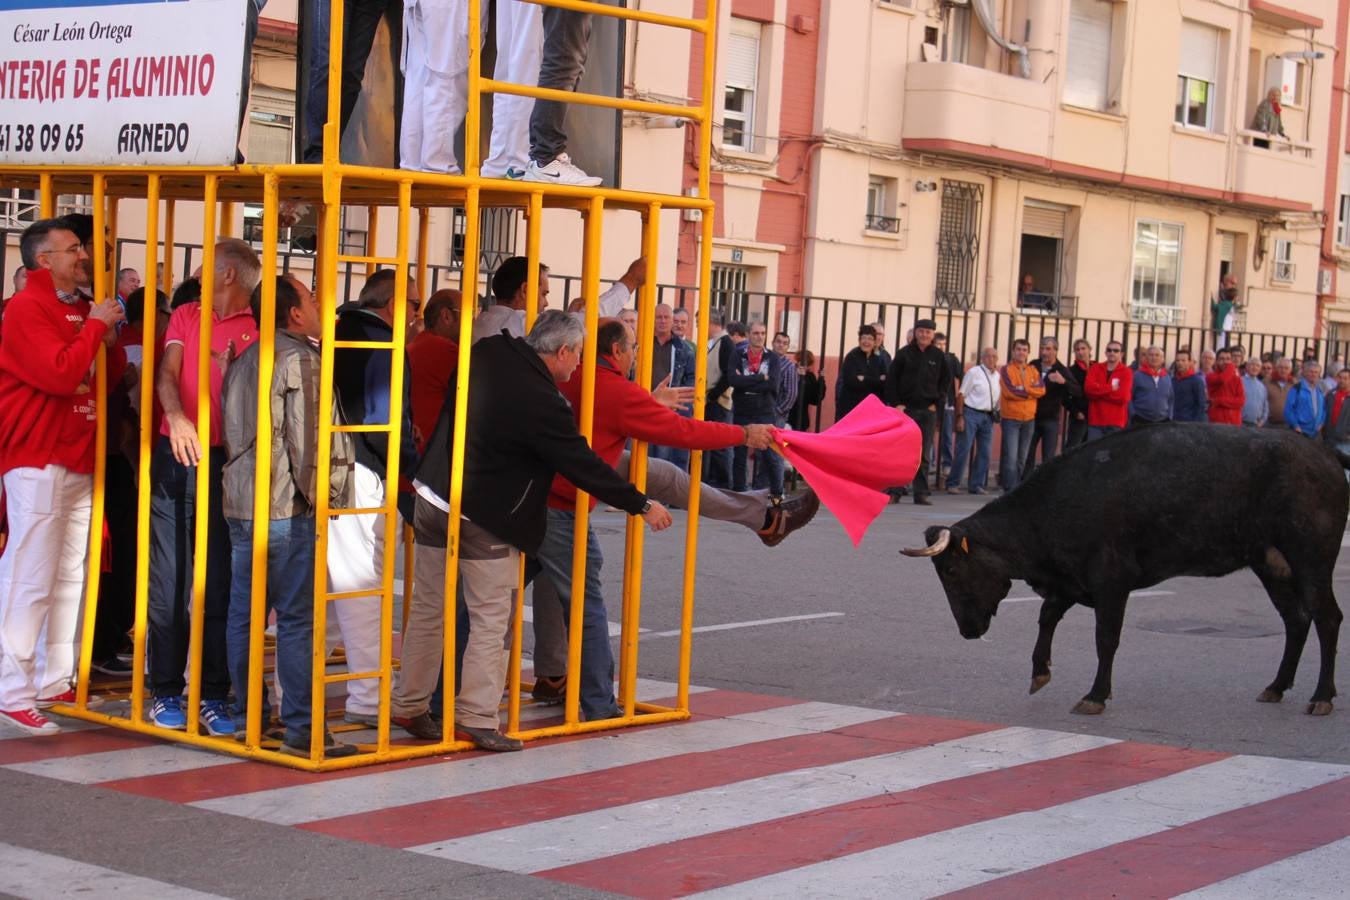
521	433
173	497
1256	402
1151	395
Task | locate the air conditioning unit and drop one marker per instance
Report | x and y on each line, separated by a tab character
1324	281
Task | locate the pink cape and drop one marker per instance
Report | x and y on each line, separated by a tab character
850	463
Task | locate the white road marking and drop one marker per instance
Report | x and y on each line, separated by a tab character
940	863
39	876
754	623
381	790
112	765
622	829
1314	873
1133	595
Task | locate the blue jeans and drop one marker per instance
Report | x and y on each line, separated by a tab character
567	37
762	471
979	433
1016	443
597	659
766	459
946	435
717	463
1046	435
1100	431
290	591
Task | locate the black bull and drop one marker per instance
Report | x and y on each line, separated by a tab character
1153	503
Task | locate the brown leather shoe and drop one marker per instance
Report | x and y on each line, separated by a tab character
421	726
788	516
489	739
549	691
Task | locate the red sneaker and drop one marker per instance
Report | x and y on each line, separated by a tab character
29	720
68	698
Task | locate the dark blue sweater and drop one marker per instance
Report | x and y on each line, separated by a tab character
1189	400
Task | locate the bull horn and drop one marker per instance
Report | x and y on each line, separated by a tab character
937	547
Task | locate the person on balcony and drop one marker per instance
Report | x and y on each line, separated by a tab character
1267	119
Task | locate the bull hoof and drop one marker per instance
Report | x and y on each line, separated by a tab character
1269	696
1319	708
1086	707
1038	682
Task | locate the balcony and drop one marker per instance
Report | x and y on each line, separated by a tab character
1064	306
955	108
884	224
1282	174
1157	313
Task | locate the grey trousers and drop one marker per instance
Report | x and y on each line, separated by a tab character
667	484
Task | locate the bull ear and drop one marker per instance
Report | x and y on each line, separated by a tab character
965	545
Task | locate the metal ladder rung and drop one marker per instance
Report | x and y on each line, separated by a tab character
363	345
362	429
369	260
354	595
349	676
362	511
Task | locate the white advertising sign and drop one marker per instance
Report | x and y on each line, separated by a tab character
120	82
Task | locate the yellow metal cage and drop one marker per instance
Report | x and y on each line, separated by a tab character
331	186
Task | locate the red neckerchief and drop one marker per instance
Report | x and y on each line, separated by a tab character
1336	402
1186	374
1084	366
1156	373
754	359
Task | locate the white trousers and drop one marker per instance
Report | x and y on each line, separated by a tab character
355	563
42	582
436	79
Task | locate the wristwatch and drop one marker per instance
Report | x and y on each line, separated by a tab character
646	507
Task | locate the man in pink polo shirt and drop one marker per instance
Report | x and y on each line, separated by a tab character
174	495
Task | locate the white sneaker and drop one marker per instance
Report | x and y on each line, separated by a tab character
560	171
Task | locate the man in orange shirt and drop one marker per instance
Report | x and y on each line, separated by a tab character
432	358
1021	386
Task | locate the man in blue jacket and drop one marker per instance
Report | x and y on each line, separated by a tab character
755	383
1151	398
1305	409
1189	399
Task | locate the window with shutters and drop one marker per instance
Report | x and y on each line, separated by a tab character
1157	273
1197	76
1088	70
741	61
1282	272
881	205
958	244
1040	288
1343	221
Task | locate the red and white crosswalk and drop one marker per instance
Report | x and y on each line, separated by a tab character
763	796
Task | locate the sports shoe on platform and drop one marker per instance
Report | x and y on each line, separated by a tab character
167	712
29	720
489	739
560	171
549	691
331	748
67	697
215	718
514	174
114	665
788	516
421	726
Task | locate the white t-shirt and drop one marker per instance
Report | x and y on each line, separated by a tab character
980	389
493	319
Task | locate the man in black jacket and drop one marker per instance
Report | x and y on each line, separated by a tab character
755	378
717	405
918	382
520	434
863	372
1060	385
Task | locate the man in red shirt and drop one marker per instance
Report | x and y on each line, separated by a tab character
1226	394
173	495
432	358
47	422
1108	386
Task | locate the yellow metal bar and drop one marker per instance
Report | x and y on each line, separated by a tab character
167	286
370	260
490	85
342	677
363	345
363	429
620	12
372	237
94	562
409	540
352	595
332	127
472	130
149	435
468	309
590	290
227	218
423	248
262	477
329	221
654	718
359	510
202	521
391	523
46	196
110	240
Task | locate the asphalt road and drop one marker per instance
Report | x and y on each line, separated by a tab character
1190	665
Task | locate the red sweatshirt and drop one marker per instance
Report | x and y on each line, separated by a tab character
47	409
1107	405
432	360
623	410
1225	396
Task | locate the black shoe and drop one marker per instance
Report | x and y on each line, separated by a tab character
549	691
113	666
421	726
788	516
922	501
489	739
331	748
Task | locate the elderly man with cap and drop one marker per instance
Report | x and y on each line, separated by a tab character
918	382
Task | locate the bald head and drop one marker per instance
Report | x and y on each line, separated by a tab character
441	314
